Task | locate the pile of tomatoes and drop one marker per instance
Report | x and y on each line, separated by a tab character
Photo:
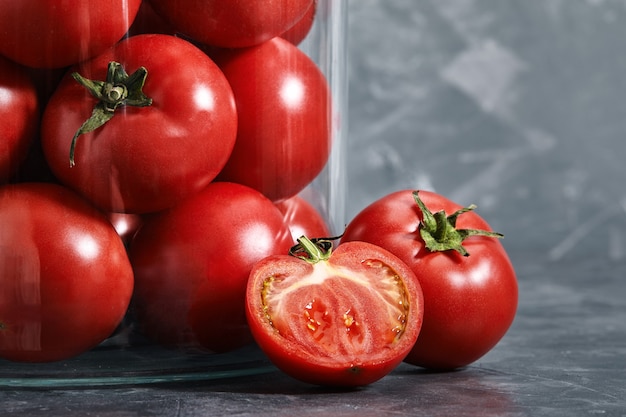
152	157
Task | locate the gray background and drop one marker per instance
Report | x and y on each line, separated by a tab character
514	105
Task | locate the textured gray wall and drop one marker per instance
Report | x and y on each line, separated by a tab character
514	105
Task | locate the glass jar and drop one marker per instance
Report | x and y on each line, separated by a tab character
89	110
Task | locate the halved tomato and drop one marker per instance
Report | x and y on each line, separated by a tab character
346	317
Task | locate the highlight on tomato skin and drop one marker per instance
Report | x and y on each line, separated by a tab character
344	319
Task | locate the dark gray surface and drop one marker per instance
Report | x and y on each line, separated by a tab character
517	106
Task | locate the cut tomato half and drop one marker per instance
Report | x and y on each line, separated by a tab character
345	318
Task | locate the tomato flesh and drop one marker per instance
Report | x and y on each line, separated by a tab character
331	318
346	321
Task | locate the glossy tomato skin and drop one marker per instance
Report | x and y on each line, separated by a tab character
303	218
469	302
192	262
233	23
19	117
284	114
334	323
65	275
81	30
298	32
145	159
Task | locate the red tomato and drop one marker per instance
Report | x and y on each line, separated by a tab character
55	34
283	103
19	117
233	23
303	218
469	301
301	29
65	277
342	318
192	262
144	159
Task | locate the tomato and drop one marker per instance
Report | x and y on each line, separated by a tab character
19	117
283	104
192	263
233	23
54	34
65	277
303	218
301	29
145	158
470	288
345	318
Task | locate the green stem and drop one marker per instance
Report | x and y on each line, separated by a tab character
313	250
119	89
439	231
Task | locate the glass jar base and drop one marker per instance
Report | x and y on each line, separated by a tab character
147	364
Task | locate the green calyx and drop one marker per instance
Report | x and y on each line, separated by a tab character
119	89
439	231
313	250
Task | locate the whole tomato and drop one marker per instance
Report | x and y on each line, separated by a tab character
303	218
284	118
233	23
19	117
157	134
55	34
65	277
346	317
469	285
192	263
